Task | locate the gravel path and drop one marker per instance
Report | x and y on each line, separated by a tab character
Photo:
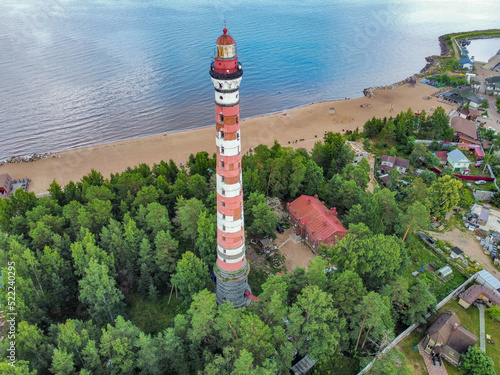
470	246
482	331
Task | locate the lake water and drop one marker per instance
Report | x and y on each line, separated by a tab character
76	73
483	49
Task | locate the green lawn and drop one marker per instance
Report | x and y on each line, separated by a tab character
153	316
413	357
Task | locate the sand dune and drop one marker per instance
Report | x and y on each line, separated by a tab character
306	125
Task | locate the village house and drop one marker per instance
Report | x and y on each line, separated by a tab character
465	130
466	63
458	161
478	292
388	163
442	156
314	222
5	185
447	338
463	95
492	85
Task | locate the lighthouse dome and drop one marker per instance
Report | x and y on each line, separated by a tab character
225	39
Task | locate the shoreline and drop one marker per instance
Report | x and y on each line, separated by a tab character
301	128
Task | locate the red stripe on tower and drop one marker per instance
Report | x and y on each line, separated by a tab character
231	268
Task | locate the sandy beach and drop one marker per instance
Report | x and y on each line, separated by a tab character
306	125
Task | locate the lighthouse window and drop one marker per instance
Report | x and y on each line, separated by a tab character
224	238
237	135
224	261
220	85
224	228
222	164
223	216
220	97
222	149
224	251
221	117
223	192
236	96
223	204
222	178
222	134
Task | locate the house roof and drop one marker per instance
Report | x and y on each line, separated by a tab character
484	215
5	181
457	156
385	167
225	39
447	329
465	60
389	159
320	222
441	155
457	250
400	162
464	126
490	279
492	80
385	178
472	294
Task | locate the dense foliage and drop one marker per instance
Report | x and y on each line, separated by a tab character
83	252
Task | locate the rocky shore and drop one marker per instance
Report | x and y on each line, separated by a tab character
27	158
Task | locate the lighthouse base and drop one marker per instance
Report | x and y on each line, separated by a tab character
232	290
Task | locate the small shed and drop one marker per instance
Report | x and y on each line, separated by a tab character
266	245
483	217
456	252
445	273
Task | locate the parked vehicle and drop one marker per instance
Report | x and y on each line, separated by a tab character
480	182
279	228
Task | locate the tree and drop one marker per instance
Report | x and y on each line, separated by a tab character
206	242
314	325
358	174
375	258
484	104
99	293
444	195
145	196
117	346
313	179
260	221
372	320
187	215
316	272
272	305
347	290
191	277
62	363
476	362
95	214
494	312
415	218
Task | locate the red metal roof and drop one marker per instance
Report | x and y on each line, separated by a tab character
321	222
225	39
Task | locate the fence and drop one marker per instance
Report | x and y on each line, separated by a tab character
410	329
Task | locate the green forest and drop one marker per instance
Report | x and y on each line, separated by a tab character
93	260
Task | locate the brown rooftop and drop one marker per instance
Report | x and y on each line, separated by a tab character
464	127
472	294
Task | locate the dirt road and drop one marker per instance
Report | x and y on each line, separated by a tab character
470	246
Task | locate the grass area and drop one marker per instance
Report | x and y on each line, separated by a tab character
413	357
492	328
338	365
153	316
421	257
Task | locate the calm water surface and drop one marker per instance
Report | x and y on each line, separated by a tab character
75	73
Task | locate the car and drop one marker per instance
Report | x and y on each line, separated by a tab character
279	228
480	182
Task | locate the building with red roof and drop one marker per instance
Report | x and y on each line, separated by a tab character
314	222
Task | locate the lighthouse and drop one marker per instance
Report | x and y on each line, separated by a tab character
231	268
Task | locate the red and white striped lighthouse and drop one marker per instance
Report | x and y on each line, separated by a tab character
231	268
